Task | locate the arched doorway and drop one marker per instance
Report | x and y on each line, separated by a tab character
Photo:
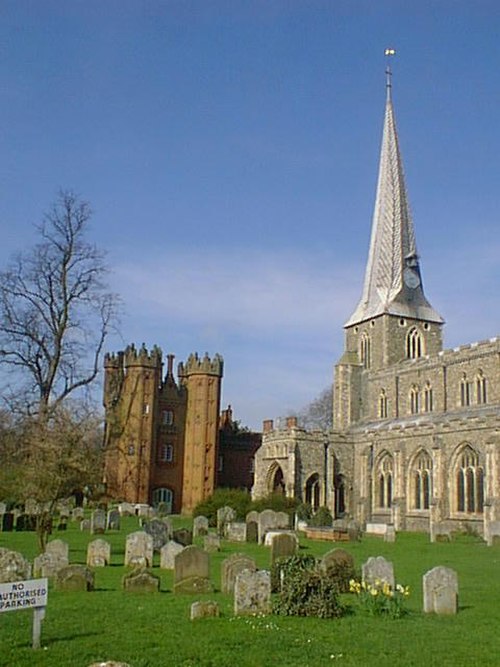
313	491
276	480
339	496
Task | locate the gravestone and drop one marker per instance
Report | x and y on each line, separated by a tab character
98	522
192	571
3	508
13	567
85	525
336	558
268	520
353	530
231	567
204	609
158	531
62	525
283	545
378	569
271	534
252	521
78	514
58	548
236	531
168	553
48	565
31	506
183	536
141	581
26	522
390	533
200	526
126	509
168	522
74	578
163	509
98	553
252	593
224	515
282	520
440	591
211	543
7	522
139	549
113	520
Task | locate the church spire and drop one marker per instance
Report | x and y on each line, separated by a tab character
393	283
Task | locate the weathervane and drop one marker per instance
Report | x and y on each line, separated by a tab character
388	72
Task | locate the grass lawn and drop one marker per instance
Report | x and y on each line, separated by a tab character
155	631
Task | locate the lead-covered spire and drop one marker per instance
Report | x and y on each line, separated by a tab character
393	284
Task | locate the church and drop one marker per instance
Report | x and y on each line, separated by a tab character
416	428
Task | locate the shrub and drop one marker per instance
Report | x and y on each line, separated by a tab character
284	568
238	499
306	591
277	502
340	573
321	517
304	512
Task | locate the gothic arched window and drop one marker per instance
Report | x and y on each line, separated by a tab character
469	476
480	387
382	404
428	398
465	391
421	478
365	350
414	344
385	481
414	400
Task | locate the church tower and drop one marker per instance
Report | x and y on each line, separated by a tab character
393	321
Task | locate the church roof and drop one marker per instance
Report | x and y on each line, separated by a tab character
393	283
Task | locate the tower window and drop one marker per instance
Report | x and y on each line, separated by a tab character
414	400
414	344
428	398
365	350
167	417
165	453
465	391
480	388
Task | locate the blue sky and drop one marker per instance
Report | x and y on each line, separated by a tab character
230	149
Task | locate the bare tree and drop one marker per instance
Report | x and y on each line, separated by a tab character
319	413
55	310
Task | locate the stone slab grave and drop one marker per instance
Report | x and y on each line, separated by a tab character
192	571
231	567
224	516
378	569
98	522
440	591
200	526
168	553
141	581
211	543
74	578
98	553
283	545
139	549
13	567
236	531
113	520
159	531
252	593
204	609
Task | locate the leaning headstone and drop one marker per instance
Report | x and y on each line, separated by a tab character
236	531
378	569
283	545
440	591
113	520
183	536
231	567
200	526
252	593
13	567
98	553
58	548
139	549
192	571
211	543
141	581
98	522
74	578
158	531
85	525
204	609
224	516
168	553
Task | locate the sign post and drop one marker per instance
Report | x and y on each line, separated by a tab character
30	594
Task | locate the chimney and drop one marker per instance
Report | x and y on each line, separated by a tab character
291	422
267	425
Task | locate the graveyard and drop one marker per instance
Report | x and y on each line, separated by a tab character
150	616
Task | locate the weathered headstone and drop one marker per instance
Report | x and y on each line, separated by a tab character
252	593
236	531
204	609
168	553
31	506
163	509
231	567
336	558
390	533
113	520
270	535
252	521
98	522
3	508
7	522
224	515
13	567
158	531
211	543
200	526
78	514
85	525
440	591
283	545
26	522
268	520
192	571
98	553
48	565
58	548
141	581
139	549
183	536
353	530
74	578
126	509
378	569
282	520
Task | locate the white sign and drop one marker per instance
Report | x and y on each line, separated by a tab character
18	595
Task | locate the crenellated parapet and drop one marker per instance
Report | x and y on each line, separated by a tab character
201	366
142	357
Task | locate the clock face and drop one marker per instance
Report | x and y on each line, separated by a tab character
411	278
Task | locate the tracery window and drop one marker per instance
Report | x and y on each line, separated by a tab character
382	405
414	344
422	481
469	482
480	387
414	400
365	350
385	478
428	398
465	391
